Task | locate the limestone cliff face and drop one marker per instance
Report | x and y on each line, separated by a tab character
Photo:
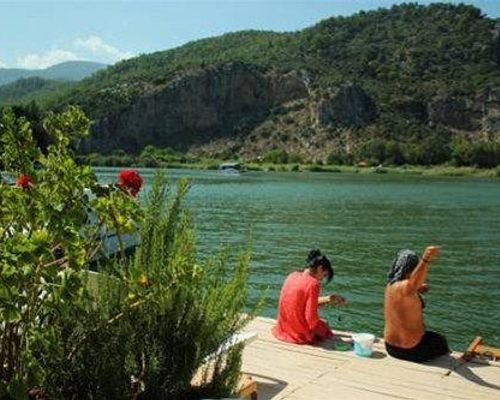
454	112
249	110
197	107
348	105
480	114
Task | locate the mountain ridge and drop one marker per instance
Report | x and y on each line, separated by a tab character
404	84
68	71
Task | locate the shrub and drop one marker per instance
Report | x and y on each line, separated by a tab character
317	168
144	326
45	244
483	155
335	158
372	151
431	151
188	309
276	156
295	158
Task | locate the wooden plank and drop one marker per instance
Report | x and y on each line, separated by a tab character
387	378
287	371
472	346
247	387
488	351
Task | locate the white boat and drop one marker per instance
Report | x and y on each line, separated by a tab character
231	168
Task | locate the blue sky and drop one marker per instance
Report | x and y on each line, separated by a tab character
36	34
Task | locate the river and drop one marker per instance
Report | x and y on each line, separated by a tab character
360	221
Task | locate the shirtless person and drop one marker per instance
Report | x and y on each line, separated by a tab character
405	335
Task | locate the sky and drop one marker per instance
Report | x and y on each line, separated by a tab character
37	34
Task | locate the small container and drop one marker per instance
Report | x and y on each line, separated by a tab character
363	344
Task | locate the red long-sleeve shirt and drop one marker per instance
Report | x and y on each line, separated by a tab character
298	320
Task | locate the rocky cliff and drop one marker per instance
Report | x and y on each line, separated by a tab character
244	109
198	107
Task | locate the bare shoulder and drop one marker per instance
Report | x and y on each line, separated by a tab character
398	289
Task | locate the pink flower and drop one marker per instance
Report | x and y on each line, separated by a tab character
24	181
130	180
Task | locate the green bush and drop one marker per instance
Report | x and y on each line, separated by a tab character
143	327
317	168
335	158
430	151
45	246
295	159
188	308
483	155
372	152
276	156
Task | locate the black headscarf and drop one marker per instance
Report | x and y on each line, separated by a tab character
406	261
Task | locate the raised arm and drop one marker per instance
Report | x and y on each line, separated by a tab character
417	277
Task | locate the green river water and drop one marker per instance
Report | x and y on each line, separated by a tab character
359	221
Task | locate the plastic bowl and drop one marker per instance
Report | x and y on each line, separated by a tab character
363	344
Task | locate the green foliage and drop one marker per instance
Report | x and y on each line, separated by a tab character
44	242
481	154
159	318
407	49
26	89
429	151
295	158
372	152
145	326
276	156
339	158
403	57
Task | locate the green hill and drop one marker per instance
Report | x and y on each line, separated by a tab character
66	71
407	84
27	89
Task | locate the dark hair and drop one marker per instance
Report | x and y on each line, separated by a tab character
315	259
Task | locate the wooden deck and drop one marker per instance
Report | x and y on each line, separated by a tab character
287	371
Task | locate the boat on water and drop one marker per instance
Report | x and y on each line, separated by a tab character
231	168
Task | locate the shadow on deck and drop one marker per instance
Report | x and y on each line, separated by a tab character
288	371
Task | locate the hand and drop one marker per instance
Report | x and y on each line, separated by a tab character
430	252
337	300
424	288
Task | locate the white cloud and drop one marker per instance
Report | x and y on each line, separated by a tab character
44	60
83	48
3	65
98	47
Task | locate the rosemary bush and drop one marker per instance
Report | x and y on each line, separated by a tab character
187	309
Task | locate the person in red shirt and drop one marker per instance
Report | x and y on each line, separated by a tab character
298	320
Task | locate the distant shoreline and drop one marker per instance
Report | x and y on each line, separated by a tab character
416	170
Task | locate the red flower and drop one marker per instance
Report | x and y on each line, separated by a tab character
130	180
24	181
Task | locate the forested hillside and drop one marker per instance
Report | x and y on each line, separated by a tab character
412	83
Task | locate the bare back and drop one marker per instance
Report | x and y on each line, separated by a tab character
404	324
